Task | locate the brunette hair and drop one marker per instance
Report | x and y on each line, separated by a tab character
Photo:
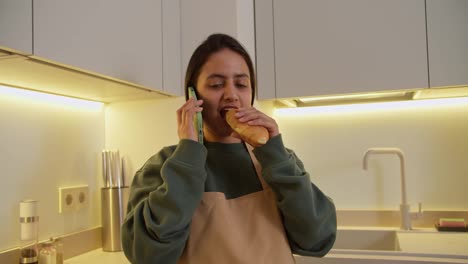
213	44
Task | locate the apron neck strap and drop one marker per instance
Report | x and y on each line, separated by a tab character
258	167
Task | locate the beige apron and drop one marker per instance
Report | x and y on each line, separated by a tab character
244	230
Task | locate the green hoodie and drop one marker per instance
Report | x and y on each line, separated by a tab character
166	191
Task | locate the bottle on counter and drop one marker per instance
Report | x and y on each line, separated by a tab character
48	253
29	222
59	249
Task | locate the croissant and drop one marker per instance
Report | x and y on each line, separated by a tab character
253	135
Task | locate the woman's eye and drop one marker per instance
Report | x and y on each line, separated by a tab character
241	85
216	85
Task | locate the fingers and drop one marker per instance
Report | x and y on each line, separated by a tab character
185	117
254	117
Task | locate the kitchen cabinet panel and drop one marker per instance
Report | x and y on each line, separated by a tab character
117	38
326	47
447	34
172	75
264	39
16	25
199	19
202	18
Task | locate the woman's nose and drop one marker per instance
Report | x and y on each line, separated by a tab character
230	93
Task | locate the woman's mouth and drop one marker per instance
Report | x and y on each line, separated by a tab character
224	111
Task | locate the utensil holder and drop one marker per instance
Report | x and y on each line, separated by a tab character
113	210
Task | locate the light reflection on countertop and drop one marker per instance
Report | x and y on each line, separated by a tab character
357	245
98	256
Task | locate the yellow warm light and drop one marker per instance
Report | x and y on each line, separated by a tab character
50	99
430	104
352	96
441	92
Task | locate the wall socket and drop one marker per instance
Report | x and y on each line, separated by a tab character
73	198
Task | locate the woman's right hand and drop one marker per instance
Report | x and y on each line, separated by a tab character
185	116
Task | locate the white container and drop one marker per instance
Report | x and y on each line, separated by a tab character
29	227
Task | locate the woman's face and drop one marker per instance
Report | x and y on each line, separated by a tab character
223	83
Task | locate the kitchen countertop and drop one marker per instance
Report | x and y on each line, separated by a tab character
442	247
98	256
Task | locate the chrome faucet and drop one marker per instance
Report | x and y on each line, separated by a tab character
405	214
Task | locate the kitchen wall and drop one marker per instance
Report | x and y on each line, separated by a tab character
139	129
50	144
331	141
47	142
432	134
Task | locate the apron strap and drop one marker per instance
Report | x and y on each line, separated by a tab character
258	167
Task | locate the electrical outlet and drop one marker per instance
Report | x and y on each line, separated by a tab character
73	198
82	197
66	200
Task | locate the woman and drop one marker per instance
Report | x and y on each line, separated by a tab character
223	201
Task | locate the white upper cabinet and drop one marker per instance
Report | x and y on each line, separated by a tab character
145	44
319	47
171	61
199	19
117	38
447	33
16	25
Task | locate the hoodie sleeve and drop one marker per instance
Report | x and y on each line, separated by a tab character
309	216
163	197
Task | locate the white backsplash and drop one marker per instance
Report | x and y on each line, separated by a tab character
331	144
433	136
46	145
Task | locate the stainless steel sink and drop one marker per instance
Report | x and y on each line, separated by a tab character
358	239
361	245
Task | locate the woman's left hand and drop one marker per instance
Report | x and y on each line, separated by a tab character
254	117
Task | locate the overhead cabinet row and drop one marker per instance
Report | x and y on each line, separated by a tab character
302	47
322	47
118	40
145	44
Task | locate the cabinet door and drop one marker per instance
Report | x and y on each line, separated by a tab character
16	25
203	18
338	46
447	33
172	75
117	38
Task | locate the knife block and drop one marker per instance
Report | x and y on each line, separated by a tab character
113	210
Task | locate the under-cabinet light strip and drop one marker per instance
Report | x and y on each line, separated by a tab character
50	99
430	104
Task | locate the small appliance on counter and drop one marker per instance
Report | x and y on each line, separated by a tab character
29	222
114	199
51	251
48	253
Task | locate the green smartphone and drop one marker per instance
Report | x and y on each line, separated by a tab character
197	121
